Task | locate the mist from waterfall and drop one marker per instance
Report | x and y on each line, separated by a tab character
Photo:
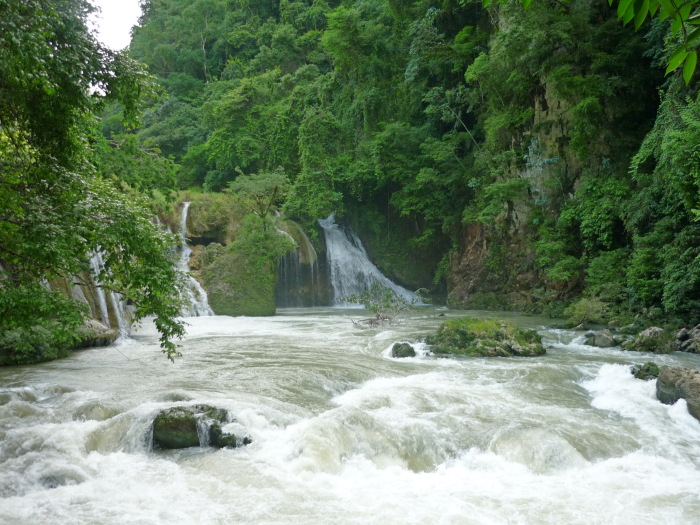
350	270
195	295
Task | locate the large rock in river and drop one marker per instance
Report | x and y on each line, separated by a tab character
402	350
473	337
676	383
194	426
652	339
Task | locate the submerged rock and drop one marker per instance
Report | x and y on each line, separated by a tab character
646	372
652	339
484	338
402	350
602	339
194	426
676	383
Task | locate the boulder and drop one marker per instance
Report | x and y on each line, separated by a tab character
402	350
94	333
652	339
194	426
646	372
676	383
602	339
682	335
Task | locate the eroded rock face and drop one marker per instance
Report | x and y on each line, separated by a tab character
194	426
402	350
602	339
676	383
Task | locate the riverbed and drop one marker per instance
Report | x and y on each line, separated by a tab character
344	434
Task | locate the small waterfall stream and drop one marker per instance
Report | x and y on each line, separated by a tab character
196	296
115	300
351	271
298	271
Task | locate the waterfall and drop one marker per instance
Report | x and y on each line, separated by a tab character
118	308
196	297
298	269
96	265
350	270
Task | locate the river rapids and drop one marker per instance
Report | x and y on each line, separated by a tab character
344	434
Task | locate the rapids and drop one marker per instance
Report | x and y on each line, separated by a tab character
344	434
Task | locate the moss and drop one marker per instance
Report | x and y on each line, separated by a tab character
239	286
646	372
474	337
402	350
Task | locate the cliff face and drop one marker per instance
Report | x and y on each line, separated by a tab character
494	265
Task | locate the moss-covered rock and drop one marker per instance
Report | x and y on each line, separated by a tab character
402	350
474	337
194	426
646	372
239	286
94	333
652	339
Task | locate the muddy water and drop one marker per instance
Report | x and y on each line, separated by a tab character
345	434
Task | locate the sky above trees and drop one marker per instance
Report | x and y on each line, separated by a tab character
115	22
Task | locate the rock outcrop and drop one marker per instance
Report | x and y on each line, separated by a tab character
604	339
94	333
652	339
484	338
402	350
194	426
676	383
688	340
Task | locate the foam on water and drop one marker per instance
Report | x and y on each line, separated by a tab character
344	434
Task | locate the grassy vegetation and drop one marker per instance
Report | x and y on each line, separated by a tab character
472	337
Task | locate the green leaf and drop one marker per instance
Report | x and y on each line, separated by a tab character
668	7
526	3
689	67
629	14
676	59
641	8
622	8
663	14
610	2
685	10
485	3
675	27
653	7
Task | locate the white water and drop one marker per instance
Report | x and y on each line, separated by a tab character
195	295
117	303
351	272
344	434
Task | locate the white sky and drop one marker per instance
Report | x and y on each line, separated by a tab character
115	22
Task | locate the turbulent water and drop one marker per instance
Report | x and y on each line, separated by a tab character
344	434
351	271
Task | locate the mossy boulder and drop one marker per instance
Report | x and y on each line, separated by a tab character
194	426
646	372
94	333
402	350
474	337
652	339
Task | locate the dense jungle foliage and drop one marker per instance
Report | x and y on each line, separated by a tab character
55	209
552	126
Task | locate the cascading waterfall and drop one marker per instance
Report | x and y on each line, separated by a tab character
196	296
298	271
118	306
96	265
350	270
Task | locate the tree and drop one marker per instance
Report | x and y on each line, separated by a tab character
54	209
260	192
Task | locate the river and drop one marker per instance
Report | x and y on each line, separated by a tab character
343	434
